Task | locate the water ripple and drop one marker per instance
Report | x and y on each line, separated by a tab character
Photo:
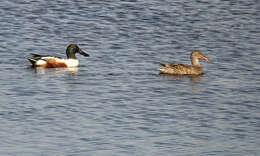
115	102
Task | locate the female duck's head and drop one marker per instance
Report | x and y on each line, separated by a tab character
195	56
72	49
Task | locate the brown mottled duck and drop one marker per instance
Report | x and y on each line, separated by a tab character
184	69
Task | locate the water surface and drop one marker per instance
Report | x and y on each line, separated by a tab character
115	102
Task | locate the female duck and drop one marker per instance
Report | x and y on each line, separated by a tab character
48	61
184	69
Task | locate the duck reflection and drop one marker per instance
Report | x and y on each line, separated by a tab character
40	70
192	78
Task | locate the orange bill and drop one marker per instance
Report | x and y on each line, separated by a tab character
204	58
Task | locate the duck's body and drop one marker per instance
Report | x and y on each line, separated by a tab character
184	69
52	61
180	69
47	61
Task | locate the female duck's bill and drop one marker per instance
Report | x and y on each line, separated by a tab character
184	69
48	61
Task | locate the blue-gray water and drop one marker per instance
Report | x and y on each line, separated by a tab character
116	103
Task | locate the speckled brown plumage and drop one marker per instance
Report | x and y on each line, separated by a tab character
184	69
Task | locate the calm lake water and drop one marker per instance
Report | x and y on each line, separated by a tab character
115	102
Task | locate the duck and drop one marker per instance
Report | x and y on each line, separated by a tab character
48	61
183	69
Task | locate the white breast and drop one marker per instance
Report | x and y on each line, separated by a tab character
70	62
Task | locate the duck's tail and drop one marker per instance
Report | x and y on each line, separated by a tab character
162	66
32	60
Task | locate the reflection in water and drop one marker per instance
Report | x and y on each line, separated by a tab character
40	70
193	78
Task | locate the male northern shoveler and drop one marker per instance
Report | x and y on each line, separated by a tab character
48	61
184	69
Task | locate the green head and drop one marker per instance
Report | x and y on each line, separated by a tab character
72	49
